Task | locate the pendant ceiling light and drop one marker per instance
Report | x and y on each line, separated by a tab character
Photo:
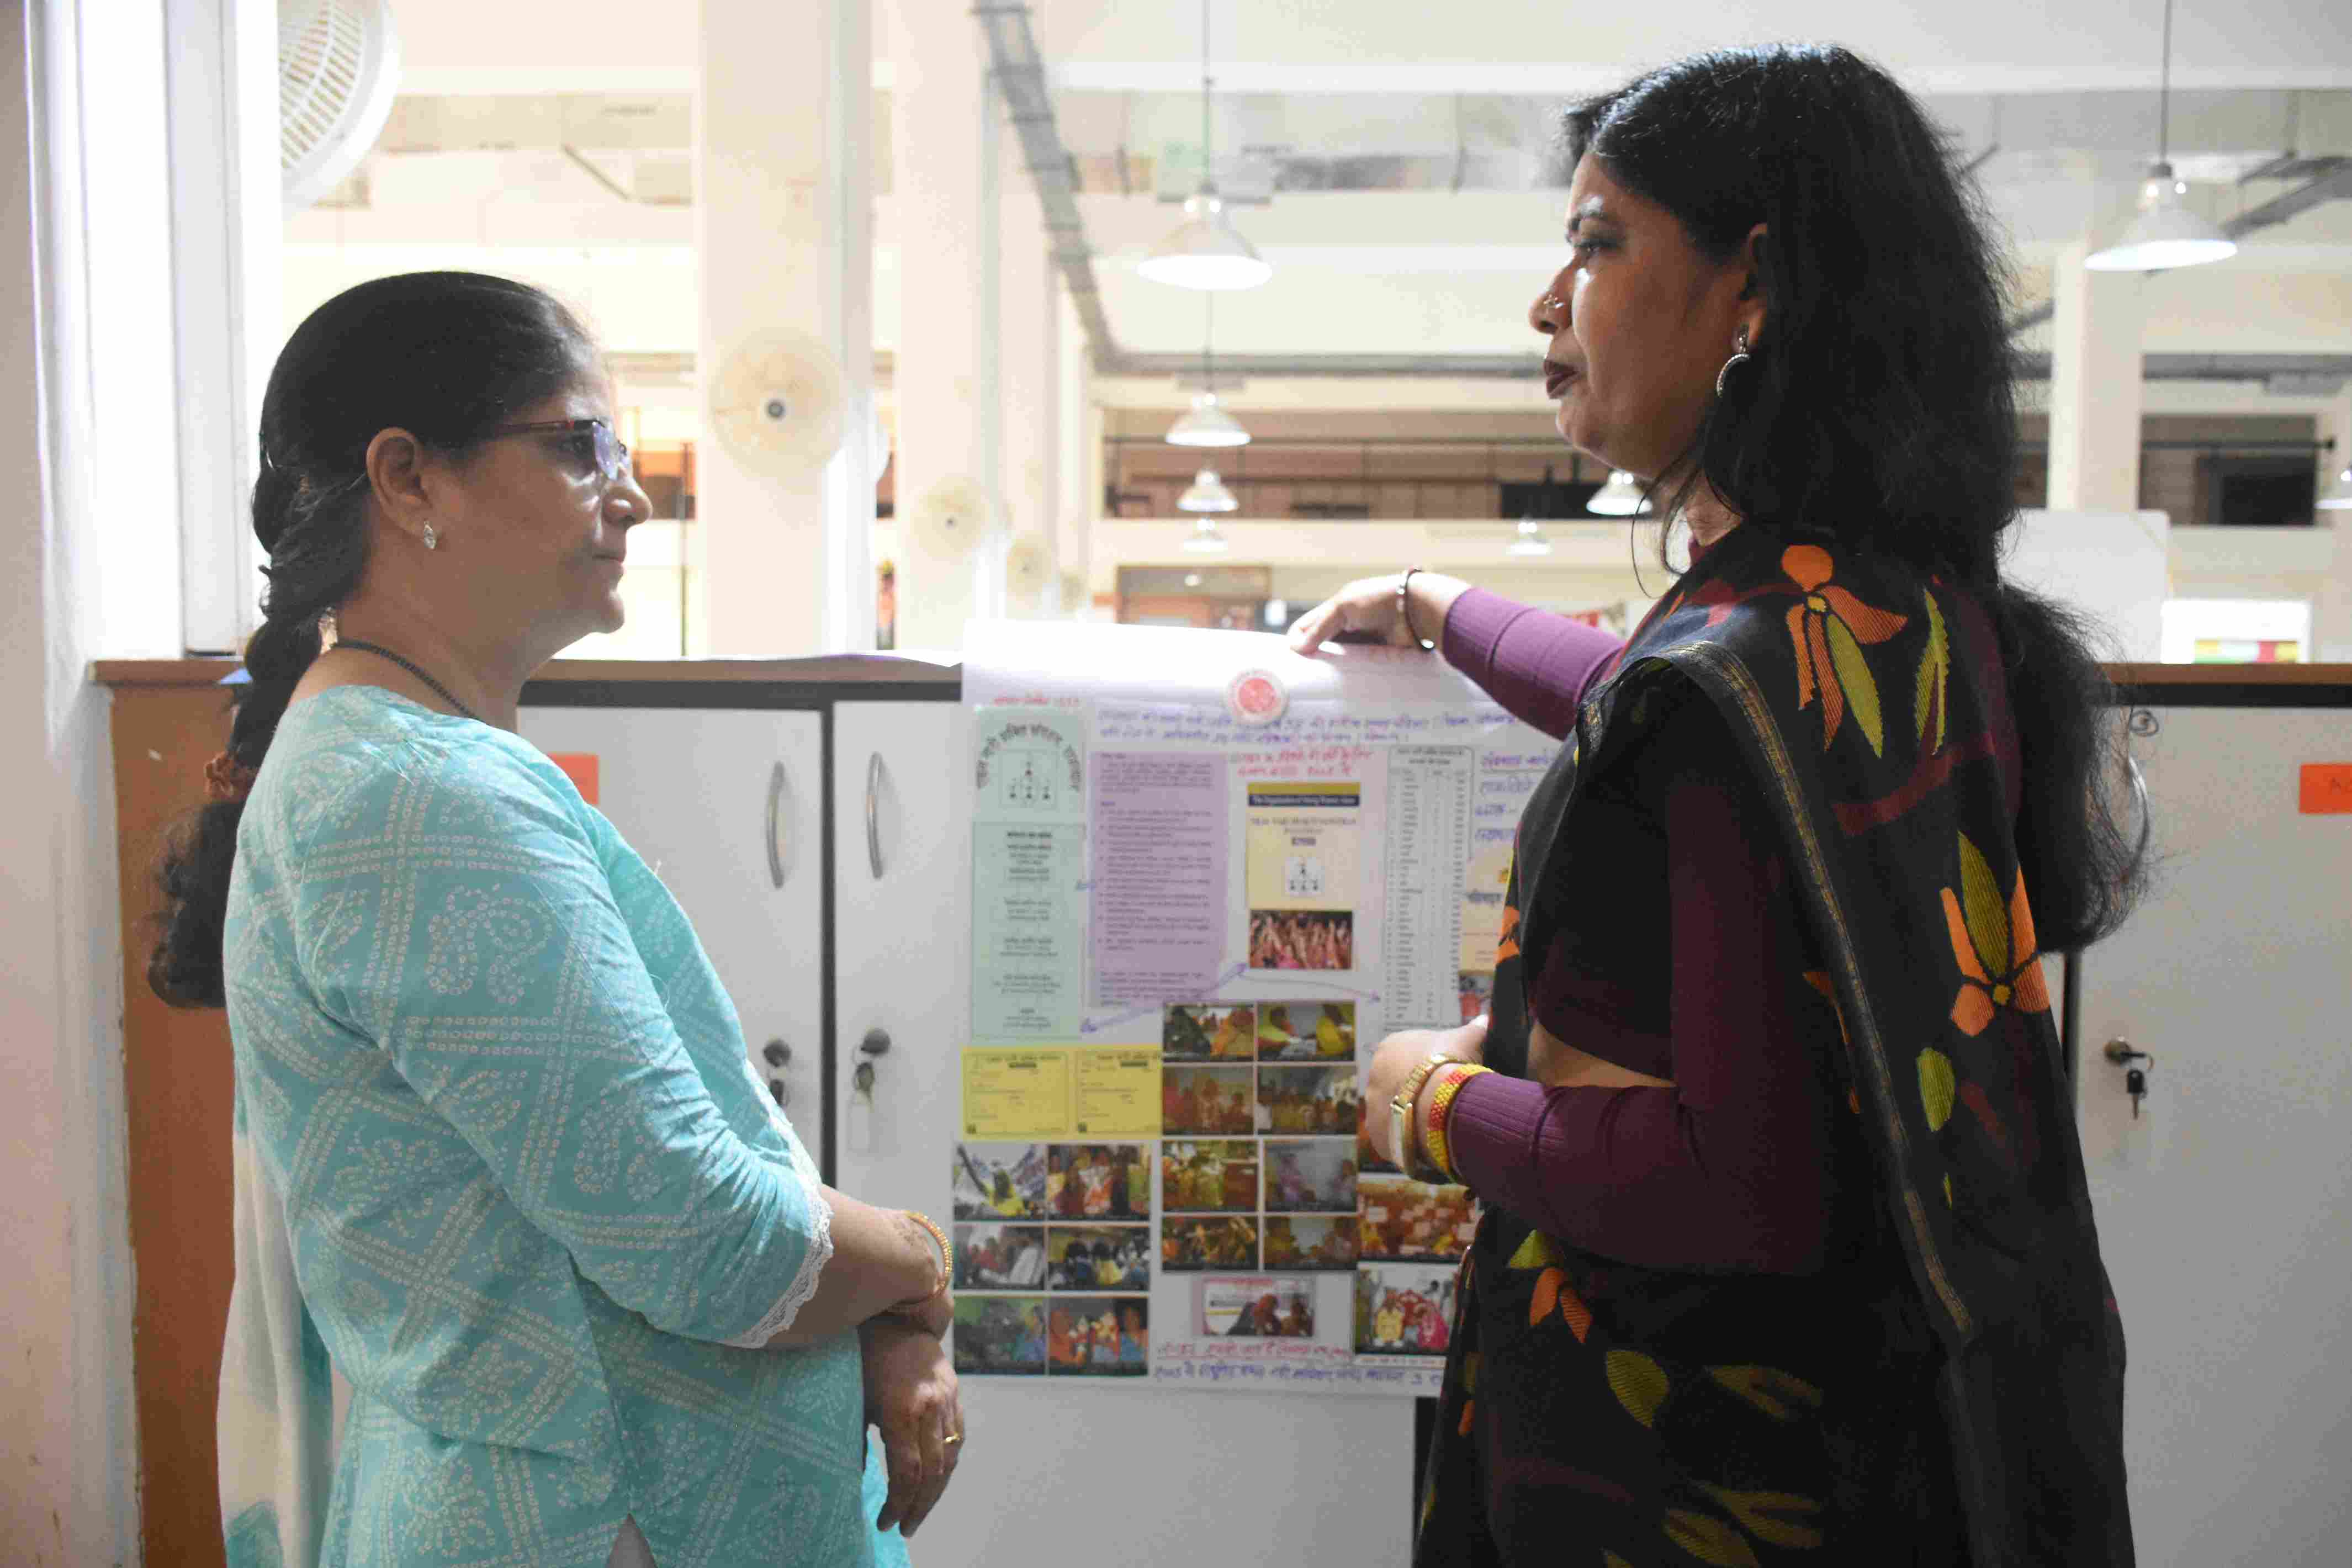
1531	539
2165	234
1207	539
1208	494
2339	494
1621	497
1207	252
1208	424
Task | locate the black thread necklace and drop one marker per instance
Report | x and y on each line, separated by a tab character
446	695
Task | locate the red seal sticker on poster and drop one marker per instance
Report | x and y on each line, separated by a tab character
1258	697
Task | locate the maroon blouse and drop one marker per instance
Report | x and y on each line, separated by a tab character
1689	963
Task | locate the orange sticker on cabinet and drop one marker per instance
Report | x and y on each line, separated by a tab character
580	768
2326	787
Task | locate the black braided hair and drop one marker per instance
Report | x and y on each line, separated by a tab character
444	356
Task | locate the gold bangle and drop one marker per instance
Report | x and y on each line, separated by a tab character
1441	1106
947	1253
1401	1118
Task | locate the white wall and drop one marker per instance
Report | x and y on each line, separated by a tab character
66	1430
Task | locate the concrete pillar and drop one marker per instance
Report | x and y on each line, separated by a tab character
946	137
2331	609
783	242
1078	490
1030	382
2095	385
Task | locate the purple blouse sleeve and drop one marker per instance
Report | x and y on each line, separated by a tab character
1535	663
1731	1167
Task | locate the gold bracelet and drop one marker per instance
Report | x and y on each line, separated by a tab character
947	1254
1441	1106
1400	1119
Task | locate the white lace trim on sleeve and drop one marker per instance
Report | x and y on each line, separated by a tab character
820	1252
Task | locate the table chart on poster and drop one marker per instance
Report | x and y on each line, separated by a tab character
1428	842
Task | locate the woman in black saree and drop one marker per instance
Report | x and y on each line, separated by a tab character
1787	1255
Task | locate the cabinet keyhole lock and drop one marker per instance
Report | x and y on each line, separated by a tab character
2125	1056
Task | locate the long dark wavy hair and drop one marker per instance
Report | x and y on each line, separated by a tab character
445	356
1880	404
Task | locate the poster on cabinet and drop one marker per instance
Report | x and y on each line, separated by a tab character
1208	878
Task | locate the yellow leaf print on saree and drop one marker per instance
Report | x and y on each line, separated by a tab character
1829	627
1992	941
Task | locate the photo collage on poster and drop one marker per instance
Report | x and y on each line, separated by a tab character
1053	1245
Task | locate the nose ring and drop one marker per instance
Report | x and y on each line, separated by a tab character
1553	300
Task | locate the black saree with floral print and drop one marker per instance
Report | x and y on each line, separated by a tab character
1950	1393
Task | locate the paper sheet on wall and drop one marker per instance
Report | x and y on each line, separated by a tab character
1208	878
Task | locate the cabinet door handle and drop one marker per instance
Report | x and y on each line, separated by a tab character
778	787
874	814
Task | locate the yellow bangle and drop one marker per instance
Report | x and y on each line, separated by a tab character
1441	1106
947	1254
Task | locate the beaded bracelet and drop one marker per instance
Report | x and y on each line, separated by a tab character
947	1252
1441	1108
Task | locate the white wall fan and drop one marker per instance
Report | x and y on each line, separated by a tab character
338	71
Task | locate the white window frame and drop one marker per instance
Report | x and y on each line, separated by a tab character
227	228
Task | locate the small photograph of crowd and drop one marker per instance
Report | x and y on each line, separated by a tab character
1099	1257
1256	1306
1400	1219
1403	1309
1319	1099
1477	992
1310	1241
1000	1181
1098	1336
1098	1182
1207	1031
1216	1101
999	1334
1302	939
1306	1031
1212	1175
1212	1241
1311	1176
1000	1257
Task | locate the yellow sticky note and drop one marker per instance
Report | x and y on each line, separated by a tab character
1017	1093
1118	1092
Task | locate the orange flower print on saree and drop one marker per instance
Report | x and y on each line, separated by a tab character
1829	627
1992	940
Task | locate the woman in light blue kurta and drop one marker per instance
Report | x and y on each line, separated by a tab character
501	1161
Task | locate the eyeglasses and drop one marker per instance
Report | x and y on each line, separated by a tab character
612	454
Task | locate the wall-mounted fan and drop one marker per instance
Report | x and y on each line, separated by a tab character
1028	569
338	71
950	519
777	404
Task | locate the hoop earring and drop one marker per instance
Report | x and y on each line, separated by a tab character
1739	356
432	540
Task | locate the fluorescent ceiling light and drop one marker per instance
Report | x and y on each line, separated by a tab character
1621	497
1208	424
1208	494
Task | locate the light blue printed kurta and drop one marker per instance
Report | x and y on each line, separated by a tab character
502	1162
